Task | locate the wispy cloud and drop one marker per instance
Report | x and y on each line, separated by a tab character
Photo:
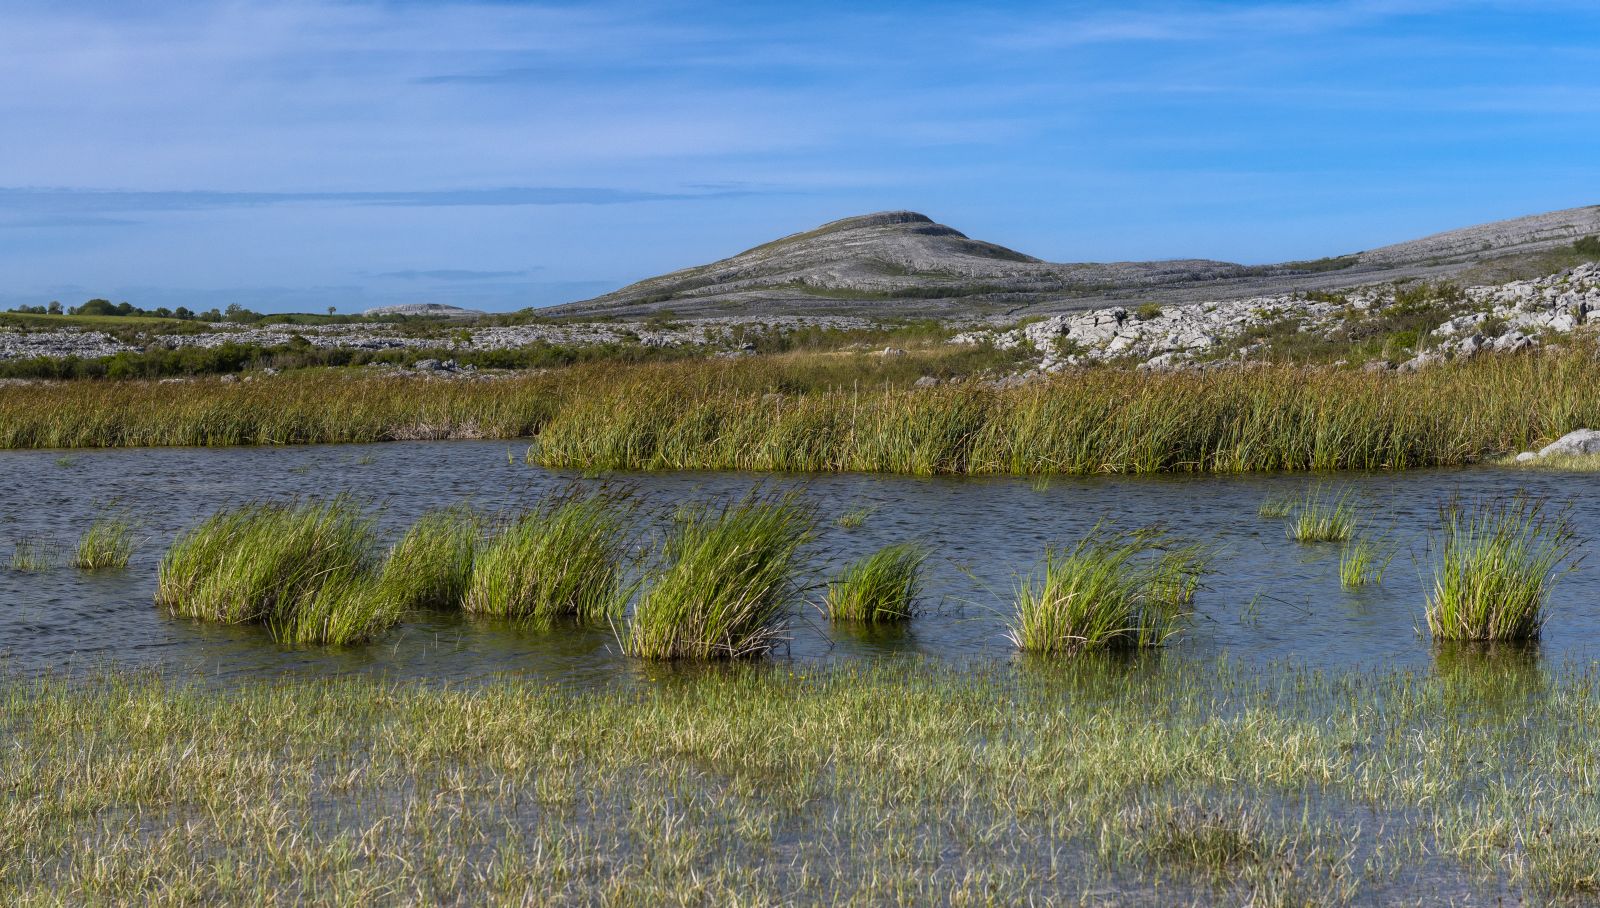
452	274
101	200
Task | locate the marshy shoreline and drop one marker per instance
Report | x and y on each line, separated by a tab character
900	781
860	413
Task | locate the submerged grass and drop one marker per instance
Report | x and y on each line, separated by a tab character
822	413
304	570
1109	591
881	587
431	565
107	544
1277	506
1497	562
1090	781
32	556
725	582
563	559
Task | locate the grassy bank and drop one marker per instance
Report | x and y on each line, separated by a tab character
856	411
907	783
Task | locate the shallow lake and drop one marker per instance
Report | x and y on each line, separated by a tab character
1269	599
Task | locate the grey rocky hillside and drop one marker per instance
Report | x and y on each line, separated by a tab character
901	263
1406	325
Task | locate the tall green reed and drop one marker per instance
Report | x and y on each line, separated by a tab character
1364	562
880	587
431	565
107	544
305	570
1110	590
725	584
563	559
810	414
1323	517
1496	563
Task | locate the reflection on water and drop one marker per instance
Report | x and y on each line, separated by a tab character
1269	598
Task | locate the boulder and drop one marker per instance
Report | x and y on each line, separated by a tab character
1580	443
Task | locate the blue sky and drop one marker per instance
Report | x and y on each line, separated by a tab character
301	154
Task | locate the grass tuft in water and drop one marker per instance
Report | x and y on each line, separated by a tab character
1497	563
1109	591
726	581
33	556
1364	562
1322	517
304	570
1276	506
563	559
881	587
431	565
106	545
854	518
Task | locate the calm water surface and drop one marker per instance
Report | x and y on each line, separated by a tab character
1270	598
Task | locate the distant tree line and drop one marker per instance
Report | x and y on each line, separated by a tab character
97	306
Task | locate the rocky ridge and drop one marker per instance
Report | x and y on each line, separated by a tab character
904	263
1503	318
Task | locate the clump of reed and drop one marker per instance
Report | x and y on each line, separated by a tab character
1497	563
33	556
305	570
431	565
1109	591
1364	562
1323	517
106	545
726	581
881	587
563	559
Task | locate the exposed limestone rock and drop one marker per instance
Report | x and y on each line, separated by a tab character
903	263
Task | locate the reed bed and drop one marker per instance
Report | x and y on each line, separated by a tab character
1098	420
106	545
725	584
1497	563
564	559
431	565
797	414
304	570
1110	591
882	587
1323	517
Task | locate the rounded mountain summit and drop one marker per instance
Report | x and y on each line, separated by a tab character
904	264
